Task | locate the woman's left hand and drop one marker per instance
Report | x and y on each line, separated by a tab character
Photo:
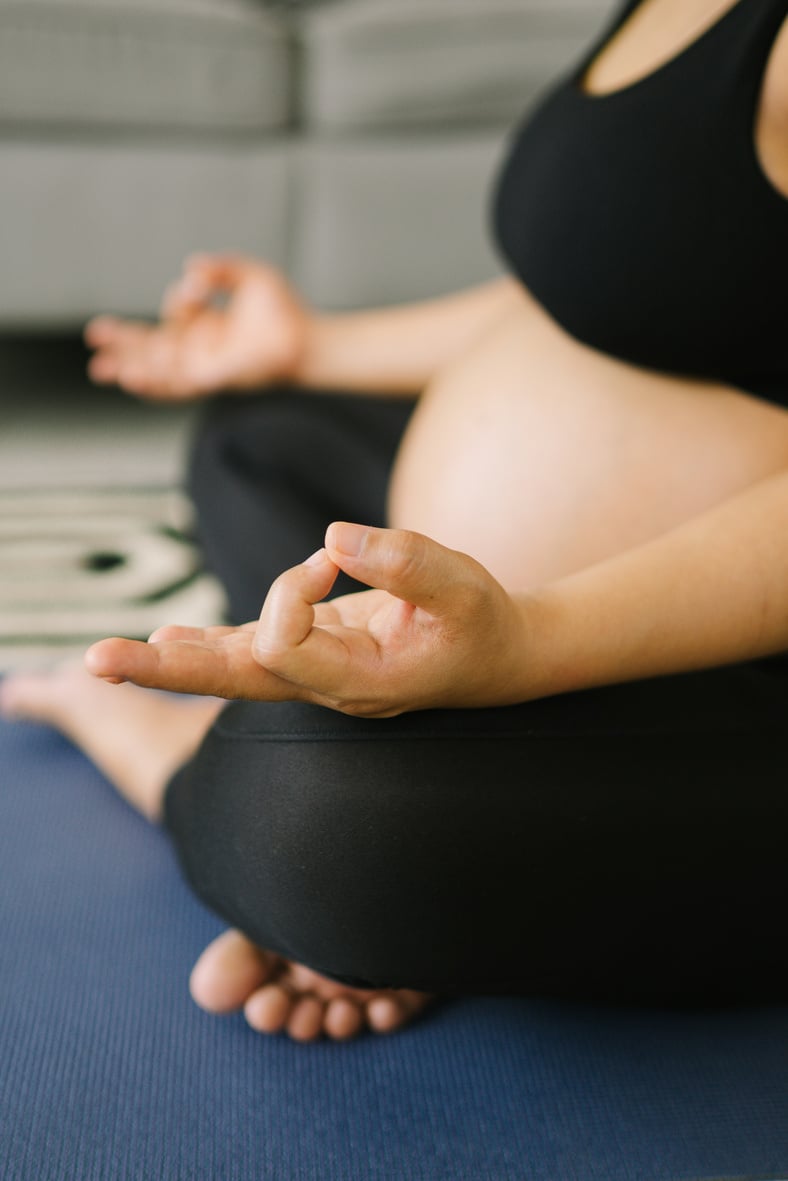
437	631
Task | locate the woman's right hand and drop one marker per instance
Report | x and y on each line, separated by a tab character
227	323
437	632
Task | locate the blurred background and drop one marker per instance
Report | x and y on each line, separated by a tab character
353	143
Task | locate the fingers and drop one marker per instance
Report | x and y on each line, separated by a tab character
192	669
310	647
288	613
101	330
352	664
408	565
325	613
204	276
137	356
292	638
221	668
213	661
115	340
223	270
162	360
197	634
148	360
183	299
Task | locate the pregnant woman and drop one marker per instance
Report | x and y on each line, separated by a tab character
545	753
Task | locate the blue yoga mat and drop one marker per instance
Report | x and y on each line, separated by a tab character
108	1072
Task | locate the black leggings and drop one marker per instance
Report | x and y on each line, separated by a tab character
621	844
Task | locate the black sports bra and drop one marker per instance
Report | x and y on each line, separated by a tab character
642	220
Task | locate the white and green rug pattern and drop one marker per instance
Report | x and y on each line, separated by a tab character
79	564
95	537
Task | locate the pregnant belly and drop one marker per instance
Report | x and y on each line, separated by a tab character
540	456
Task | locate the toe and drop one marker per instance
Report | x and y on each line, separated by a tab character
385	1013
413	1001
343	1018
268	1009
305	979
306	1019
229	971
388	1011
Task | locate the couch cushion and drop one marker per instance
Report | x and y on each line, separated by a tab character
384	219
104	226
399	63
150	64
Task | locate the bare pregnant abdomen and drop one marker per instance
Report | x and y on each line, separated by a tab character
540	456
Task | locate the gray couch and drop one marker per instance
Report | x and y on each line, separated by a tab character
352	142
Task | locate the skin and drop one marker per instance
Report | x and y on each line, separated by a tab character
631	568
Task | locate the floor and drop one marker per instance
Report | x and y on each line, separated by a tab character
60	430
95	534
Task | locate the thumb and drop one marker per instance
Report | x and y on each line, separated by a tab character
204	277
408	565
214	280
222	272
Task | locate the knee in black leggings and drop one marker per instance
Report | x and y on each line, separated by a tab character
255	437
621	844
535	849
313	835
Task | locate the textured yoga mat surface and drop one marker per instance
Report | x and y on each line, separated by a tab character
108	1072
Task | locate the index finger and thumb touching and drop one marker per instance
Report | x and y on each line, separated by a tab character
288	617
407	565
294	642
202	277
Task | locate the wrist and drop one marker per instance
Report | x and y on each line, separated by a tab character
311	367
549	662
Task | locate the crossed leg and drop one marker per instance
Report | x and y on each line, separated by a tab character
138	738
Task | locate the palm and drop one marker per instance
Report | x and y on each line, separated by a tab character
242	344
221	347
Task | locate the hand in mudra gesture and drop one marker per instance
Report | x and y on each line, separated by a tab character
227	323
437	631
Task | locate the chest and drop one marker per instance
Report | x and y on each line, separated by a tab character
658	31
644	219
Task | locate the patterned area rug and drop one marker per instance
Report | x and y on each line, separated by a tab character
79	564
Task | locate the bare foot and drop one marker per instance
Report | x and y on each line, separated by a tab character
137	737
276	994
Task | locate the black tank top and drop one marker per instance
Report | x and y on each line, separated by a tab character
642	220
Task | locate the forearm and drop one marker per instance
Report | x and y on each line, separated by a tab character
712	592
440	632
397	349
